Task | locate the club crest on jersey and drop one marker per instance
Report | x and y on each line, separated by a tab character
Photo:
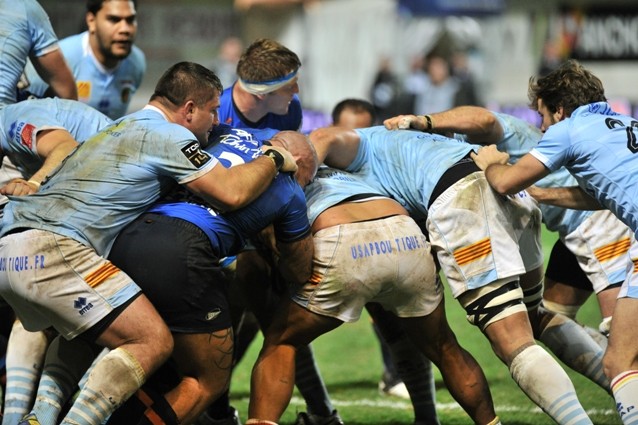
26	135
127	89
125	96
195	155
84	89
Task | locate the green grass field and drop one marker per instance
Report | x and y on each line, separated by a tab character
350	362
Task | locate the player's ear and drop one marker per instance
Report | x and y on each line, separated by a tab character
188	109
560	115
90	22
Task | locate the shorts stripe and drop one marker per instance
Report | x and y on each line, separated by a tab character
103	273
315	278
622	379
473	252
612	250
635	261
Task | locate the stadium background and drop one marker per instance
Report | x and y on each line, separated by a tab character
341	42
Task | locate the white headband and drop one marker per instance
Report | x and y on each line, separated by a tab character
265	87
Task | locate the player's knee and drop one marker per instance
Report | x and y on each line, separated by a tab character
160	343
493	302
566	310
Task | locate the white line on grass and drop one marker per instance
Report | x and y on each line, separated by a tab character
402	405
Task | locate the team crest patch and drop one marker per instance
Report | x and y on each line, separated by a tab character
195	155
125	96
84	89
26	135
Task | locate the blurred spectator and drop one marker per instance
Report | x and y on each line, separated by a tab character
225	65
551	57
385	91
432	84
467	93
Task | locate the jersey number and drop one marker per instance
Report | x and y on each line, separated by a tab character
632	145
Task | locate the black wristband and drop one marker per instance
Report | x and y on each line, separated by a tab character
276	156
428	122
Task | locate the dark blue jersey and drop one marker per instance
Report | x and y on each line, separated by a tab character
230	115
283	204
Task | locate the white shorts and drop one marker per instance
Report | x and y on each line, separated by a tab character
52	280
629	287
601	245
480	236
386	261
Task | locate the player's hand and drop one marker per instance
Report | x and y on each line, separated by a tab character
489	155
290	165
19	187
403	122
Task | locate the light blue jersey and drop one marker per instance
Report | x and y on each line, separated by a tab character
332	186
25	30
406	165
108	90
21	122
599	148
111	179
519	138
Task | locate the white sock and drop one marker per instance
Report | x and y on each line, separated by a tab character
25	357
546	384
112	381
571	343
625	390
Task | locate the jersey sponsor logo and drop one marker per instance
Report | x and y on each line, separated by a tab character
22	263
82	305
212	315
195	155
26	135
385	247
84	89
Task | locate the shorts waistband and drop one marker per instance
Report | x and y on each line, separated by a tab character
463	167
17	230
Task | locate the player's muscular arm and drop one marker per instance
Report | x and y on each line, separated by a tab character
508	179
335	146
479	124
228	189
566	197
51	145
295	260
53	69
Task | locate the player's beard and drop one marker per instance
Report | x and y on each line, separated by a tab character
117	53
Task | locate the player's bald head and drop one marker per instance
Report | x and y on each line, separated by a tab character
302	150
